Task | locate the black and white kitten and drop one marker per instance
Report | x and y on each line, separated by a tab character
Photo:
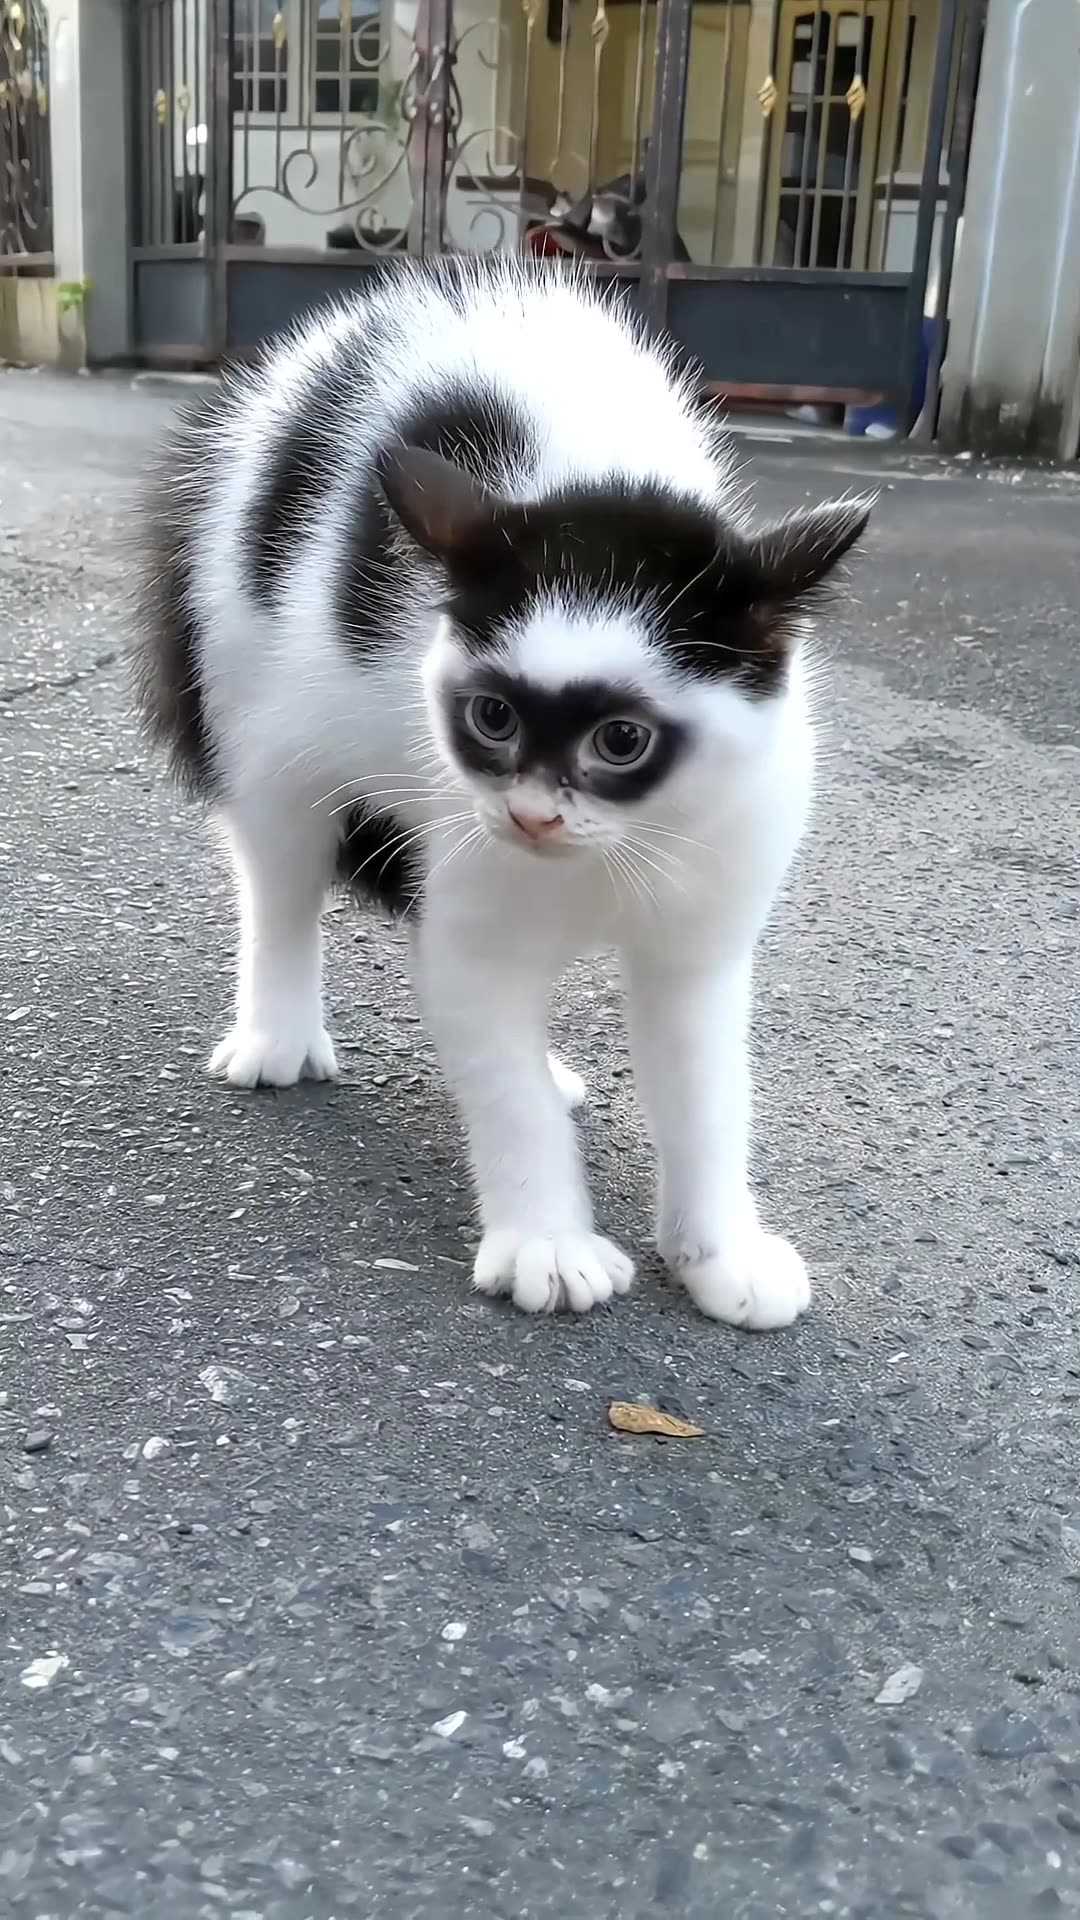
454	600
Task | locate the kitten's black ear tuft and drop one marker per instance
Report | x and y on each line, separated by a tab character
445	509
797	557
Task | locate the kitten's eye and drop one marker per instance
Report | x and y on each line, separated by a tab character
491	719
621	743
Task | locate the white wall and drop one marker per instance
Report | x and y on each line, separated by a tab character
1011	379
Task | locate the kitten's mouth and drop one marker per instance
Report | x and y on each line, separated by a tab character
547	846
548	849
538	832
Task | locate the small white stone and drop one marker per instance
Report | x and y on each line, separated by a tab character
902	1685
454	1630
43	1671
514	1749
221	1384
396	1266
154	1447
483	1829
453	1723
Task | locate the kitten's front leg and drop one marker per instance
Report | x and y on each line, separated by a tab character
484	990
283	857
689	1032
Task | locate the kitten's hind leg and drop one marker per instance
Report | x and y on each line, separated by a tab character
283	858
570	1084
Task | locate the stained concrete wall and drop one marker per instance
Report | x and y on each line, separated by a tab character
91	219
1011	379
29	333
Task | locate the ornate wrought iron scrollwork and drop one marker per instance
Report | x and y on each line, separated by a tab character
489	170
25	174
319	151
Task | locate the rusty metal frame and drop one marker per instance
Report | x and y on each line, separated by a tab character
219	170
973	29
428	148
748	317
928	196
663	171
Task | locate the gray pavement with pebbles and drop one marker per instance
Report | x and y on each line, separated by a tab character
325	1588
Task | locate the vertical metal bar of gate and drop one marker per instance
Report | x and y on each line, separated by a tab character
928	199
431	131
663	171
219	170
959	150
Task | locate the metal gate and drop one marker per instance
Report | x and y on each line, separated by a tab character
25	197
777	180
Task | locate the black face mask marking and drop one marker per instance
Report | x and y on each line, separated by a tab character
723	603
553	726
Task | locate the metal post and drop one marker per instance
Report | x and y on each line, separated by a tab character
663	172
959	150
928	197
432	130
219	172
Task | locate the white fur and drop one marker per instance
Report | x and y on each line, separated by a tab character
680	886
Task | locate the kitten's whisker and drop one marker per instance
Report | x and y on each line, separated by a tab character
467	844
650	826
469	840
645	891
610	871
626	868
385	773
397	844
688	588
674	875
645	853
411	796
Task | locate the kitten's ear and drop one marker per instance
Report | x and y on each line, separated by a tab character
796	558
445	509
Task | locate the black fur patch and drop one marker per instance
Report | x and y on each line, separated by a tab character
371	864
553	724
475	429
636	546
303	461
166	656
725	603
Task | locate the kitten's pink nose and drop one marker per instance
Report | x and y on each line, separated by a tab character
535	826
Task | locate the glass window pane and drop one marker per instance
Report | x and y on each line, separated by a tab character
810	53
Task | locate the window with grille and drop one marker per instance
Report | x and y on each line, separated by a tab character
319	57
822	136
260	58
346	59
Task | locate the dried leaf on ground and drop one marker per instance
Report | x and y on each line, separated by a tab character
628	1417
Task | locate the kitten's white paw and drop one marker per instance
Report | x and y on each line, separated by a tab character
762	1283
255	1057
570	1084
573	1270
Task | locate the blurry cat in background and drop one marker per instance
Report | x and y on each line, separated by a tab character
455	600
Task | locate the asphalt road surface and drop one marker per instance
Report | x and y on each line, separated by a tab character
325	1588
